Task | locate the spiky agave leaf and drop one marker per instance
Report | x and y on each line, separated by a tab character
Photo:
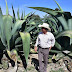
47	10
14	18
63	22
7	25
18	14
22	16
17	26
1	20
25	17
26	44
59	6
6	8
64	33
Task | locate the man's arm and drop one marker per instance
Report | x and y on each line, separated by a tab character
35	47
50	48
52	42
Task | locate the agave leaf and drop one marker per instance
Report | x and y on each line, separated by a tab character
58	46
18	40
63	22
24	13
55	51
19	46
22	16
18	14
47	10
70	24
70	54
51	19
2	36
7	25
6	8
1	21
26	44
52	26
31	22
59	56
17	26
2	47
59	6
14	18
30	29
65	33
70	27
25	17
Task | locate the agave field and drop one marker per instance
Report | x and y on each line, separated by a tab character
18	35
61	25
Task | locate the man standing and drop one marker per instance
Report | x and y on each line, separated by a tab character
45	41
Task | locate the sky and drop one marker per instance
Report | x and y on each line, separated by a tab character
23	5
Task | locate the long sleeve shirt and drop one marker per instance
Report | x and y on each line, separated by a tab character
45	40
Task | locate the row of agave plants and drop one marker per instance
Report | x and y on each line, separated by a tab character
61	26
16	35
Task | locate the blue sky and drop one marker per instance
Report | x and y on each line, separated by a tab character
66	5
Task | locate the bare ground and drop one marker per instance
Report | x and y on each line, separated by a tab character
33	66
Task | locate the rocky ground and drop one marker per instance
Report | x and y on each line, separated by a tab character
63	65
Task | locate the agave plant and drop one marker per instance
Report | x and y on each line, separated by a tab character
61	25
15	33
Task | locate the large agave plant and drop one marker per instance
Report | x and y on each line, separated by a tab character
14	33
61	24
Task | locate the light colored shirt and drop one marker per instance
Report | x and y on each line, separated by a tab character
45	40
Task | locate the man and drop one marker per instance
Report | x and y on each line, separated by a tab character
45	41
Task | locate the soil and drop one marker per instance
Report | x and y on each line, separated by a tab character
33	65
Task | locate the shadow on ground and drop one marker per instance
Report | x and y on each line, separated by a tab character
36	63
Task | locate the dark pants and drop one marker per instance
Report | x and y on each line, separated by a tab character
43	54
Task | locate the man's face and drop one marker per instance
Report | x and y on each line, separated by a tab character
44	30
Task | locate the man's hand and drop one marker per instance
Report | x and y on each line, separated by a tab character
50	48
35	48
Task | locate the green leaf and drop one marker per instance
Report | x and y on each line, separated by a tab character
30	29
52	25
7	25
64	33
6	8
1	20
25	17
26	44
18	40
58	46
51	19
70	54
17	26
22	16
55	51
18	14
59	56
63	22
70	24
59	6
47	10
2	36
70	27
14	18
